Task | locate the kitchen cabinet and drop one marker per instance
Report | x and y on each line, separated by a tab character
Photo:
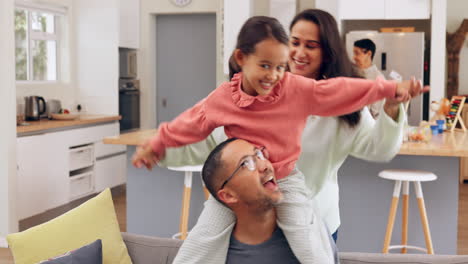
384	9
407	9
111	171
129	24
42	174
362	9
58	167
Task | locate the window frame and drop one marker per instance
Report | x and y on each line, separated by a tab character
60	14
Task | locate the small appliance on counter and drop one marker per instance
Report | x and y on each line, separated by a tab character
53	107
35	106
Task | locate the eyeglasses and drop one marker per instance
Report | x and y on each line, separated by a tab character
250	163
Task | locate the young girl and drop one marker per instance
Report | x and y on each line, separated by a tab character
267	107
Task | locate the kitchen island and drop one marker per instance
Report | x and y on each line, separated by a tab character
154	198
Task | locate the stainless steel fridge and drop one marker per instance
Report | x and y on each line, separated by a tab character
400	52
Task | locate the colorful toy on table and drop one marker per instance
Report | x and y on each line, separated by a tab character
441	109
453	117
421	133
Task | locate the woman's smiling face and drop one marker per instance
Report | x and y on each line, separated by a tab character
305	51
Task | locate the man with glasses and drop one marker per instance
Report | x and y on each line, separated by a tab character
241	177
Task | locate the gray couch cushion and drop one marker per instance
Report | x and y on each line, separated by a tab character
151	250
154	250
378	258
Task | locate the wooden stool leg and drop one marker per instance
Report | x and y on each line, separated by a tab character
391	216
184	214
207	193
404	211
424	222
205	190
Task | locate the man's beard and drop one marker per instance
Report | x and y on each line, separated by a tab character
263	204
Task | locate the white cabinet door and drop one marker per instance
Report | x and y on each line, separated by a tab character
110	172
361	9
407	9
42	173
32	175
58	169
129	35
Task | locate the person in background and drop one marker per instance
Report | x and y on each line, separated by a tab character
364	51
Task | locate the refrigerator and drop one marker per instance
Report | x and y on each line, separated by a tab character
400	52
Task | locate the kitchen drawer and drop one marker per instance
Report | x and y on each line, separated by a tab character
81	185
81	157
102	149
110	172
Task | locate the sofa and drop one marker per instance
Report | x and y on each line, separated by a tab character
153	250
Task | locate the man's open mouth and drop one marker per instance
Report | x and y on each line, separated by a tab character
270	183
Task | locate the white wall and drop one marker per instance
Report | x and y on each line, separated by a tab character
97	39
438	51
457	10
147	55
8	220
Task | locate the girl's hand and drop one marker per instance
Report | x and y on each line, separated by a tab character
144	156
406	90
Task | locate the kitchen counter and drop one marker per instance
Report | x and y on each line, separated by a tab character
449	144
132	138
46	124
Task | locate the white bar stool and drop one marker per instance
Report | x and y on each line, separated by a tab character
184	214
406	176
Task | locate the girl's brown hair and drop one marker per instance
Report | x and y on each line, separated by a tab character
255	30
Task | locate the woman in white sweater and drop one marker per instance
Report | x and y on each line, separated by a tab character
316	51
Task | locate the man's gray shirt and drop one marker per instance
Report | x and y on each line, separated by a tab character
274	250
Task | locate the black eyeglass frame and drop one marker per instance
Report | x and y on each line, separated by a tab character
264	154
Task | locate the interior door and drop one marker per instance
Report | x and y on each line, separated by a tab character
185	62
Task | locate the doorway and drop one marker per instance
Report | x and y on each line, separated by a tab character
185	62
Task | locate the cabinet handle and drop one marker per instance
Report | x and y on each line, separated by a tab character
79	178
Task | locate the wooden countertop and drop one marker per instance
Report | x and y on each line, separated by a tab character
46	124
131	139
449	144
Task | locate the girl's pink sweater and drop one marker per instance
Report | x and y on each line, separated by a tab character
275	121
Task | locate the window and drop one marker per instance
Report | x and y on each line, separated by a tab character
37	41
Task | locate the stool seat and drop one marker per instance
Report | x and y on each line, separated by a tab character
195	168
408	175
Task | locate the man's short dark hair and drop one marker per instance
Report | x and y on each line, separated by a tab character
367	45
210	172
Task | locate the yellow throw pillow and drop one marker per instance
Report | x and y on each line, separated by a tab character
92	220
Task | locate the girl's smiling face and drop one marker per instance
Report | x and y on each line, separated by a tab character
264	68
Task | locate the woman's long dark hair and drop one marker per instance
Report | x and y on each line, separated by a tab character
255	30
335	62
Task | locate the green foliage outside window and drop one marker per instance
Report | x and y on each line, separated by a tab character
38	47
21	25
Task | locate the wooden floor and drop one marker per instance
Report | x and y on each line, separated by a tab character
121	210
